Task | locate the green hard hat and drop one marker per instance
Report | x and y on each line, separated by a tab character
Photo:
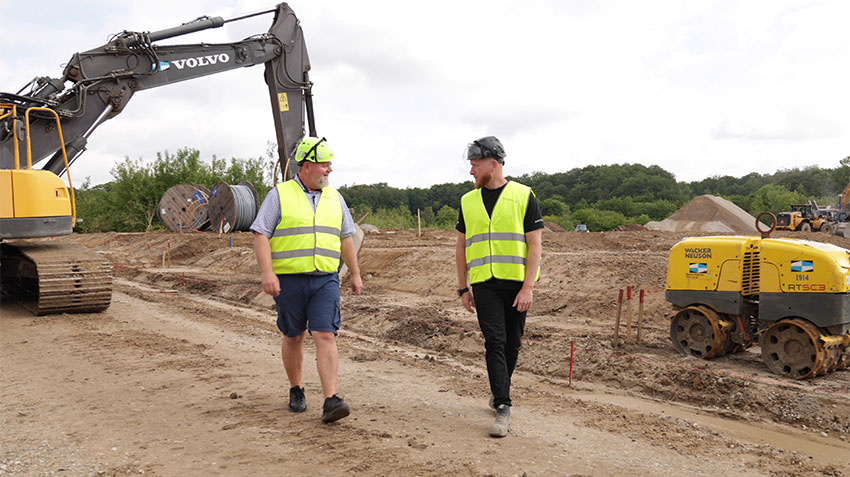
314	149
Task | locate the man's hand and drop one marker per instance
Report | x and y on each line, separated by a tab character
523	299
356	284
468	302
271	284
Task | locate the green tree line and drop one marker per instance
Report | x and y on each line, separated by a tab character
602	197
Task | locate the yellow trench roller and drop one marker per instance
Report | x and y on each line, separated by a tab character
791	296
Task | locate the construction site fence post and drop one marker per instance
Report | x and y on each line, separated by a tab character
629	314
640	316
619	313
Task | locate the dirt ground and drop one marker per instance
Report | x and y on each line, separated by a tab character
181	376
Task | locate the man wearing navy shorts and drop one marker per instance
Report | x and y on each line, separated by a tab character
302	230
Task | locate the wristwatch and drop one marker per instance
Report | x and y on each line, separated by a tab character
462	291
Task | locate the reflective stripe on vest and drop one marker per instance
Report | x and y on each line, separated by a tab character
306	241
495	246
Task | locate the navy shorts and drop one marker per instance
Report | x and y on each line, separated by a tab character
308	302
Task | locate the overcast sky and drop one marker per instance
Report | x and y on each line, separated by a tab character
700	88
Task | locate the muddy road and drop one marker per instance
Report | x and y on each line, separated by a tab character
182	375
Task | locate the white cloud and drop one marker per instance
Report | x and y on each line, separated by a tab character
699	88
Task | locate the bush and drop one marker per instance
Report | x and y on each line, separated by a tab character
629	207
397	218
775	198
563	220
599	220
446	218
553	206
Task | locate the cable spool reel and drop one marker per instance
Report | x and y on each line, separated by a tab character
184	208
233	208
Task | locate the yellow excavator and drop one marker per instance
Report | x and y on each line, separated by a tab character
789	296
49	121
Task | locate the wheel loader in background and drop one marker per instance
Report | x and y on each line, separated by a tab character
802	218
51	119
809	217
789	296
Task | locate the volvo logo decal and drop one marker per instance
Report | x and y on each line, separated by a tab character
201	61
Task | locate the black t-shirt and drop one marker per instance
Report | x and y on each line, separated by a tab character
533	217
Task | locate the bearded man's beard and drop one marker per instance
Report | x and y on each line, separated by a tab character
483	179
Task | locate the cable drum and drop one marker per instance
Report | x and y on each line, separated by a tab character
184	208
233	207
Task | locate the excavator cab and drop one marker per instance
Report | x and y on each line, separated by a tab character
33	202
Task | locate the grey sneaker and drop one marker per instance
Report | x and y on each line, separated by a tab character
334	409
492	402
502	424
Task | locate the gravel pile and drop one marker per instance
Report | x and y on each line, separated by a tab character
708	213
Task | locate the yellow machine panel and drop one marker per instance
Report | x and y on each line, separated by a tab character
36	193
802	266
708	263
6	205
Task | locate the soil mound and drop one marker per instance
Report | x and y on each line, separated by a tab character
552	226
708	213
629	228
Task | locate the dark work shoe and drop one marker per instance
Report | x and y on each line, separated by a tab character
334	409
297	401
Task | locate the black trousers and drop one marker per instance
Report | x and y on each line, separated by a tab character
502	326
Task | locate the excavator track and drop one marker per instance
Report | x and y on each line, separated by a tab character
49	277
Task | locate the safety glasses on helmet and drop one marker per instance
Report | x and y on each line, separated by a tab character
486	147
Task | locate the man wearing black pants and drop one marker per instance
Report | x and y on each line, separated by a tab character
498	250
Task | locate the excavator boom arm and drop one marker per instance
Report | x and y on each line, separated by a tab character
104	79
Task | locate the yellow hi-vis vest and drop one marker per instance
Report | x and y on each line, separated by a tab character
306	241
495	246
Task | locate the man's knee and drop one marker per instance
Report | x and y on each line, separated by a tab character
294	340
495	344
323	337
